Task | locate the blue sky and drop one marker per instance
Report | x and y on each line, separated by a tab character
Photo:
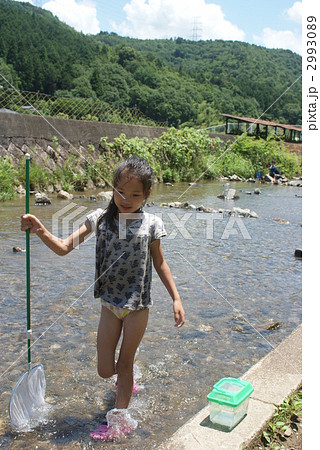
270	23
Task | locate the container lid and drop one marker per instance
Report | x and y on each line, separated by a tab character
230	391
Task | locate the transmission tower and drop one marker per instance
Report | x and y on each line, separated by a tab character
197	28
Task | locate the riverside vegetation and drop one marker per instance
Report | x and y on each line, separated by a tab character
284	430
177	155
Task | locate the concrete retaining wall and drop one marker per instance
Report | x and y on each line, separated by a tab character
24	128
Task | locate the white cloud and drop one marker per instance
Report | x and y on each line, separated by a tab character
295	12
172	18
286	39
80	15
280	39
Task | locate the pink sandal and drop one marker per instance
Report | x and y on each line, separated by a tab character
120	423
100	432
109	432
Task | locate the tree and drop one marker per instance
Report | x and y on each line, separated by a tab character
96	82
126	54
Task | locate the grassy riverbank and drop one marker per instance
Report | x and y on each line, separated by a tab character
284	431
178	155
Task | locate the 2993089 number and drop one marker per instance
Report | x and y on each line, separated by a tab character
311	42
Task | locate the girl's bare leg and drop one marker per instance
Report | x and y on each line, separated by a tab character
109	332
134	326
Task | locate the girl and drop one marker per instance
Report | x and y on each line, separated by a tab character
127	242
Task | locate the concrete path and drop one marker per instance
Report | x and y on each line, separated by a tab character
274	378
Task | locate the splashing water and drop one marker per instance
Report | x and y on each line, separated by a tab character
120	423
40	417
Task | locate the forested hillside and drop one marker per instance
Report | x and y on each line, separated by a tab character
177	80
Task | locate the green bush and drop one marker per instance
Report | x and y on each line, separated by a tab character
234	163
186	154
260	152
8	176
39	177
100	169
182	153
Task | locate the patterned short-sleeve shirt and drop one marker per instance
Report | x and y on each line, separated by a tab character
123	259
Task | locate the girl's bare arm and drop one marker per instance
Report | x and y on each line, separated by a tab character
165	275
59	246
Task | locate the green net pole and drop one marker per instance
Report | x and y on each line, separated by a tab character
28	261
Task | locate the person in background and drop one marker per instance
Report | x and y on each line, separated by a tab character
274	171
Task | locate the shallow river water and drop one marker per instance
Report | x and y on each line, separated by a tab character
235	278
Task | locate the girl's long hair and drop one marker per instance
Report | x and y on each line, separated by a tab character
133	167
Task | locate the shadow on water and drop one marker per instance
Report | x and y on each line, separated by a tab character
235	291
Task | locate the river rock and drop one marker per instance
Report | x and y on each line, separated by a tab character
281	221
190	206
288	432
18	250
21	190
206	328
15	153
298	253
42	199
235	178
100	183
57	186
106	196
268	179
50	189
229	194
272	326
239	212
209	210
257	191
295	183
206	209
175	205
90	184
52	153
64	195
251	180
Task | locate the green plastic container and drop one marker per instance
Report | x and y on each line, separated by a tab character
228	402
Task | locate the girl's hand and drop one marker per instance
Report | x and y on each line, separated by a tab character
28	221
179	314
